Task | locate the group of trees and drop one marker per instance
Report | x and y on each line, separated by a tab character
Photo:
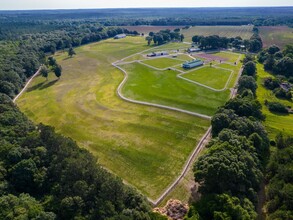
164	36
230	172
254	44
44	175
277	61
280	64
51	65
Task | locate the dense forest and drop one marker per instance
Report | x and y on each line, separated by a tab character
260	16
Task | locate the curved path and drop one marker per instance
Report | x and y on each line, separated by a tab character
151	104
26	85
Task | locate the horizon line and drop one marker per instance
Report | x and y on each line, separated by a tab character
186	7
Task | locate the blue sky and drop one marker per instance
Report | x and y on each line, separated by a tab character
74	4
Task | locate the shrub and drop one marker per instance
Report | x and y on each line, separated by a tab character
277	107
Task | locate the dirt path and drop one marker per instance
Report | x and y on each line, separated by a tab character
26	85
189	162
199	146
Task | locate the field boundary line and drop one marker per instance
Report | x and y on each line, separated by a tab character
26	85
149	103
182	73
195	152
208	87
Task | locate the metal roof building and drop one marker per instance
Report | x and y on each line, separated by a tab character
192	64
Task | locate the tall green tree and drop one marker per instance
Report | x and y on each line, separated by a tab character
149	40
247	82
44	72
58	70
181	37
249	68
71	52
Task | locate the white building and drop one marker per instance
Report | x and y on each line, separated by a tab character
119	36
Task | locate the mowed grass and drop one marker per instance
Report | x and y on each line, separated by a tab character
145	146
244	31
184	57
163	62
274	123
164	87
210	76
235	68
230	57
278	35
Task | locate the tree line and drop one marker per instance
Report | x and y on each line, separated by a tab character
254	44
171	16
164	36
230	172
44	175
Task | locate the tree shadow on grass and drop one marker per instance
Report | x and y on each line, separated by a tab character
38	86
48	84
67	58
279	113
42	85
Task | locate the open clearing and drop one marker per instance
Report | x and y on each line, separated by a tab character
244	31
146	146
154	81
164	87
275	123
278	35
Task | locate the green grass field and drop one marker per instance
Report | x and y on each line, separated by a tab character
210	76
231	57
164	87
244	31
278	35
145	146
184	57
275	123
163	62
